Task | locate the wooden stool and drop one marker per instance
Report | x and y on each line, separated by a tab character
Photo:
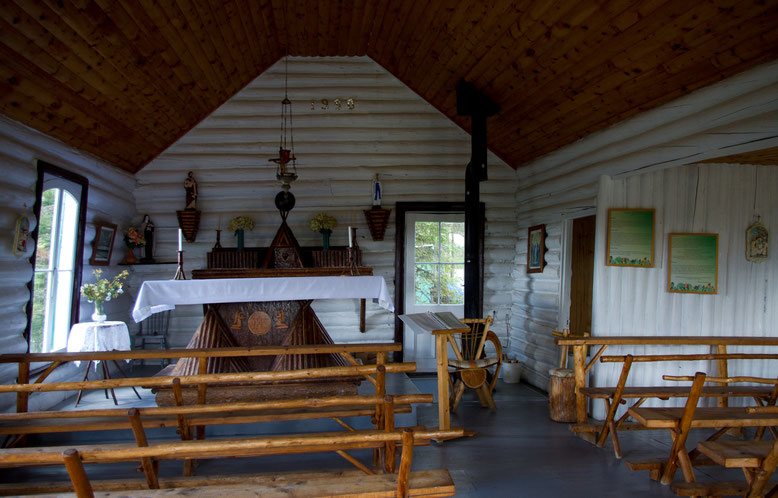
561	395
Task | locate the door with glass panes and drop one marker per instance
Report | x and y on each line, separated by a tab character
434	276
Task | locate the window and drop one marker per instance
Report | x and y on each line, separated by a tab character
439	262
61	211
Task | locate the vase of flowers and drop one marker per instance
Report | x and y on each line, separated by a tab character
101	291
238	225
324	224
133	238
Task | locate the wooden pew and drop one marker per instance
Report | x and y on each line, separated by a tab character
55	360
679	421
614	396
580	345
435	483
191	419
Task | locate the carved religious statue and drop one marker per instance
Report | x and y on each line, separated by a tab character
148	234
190	184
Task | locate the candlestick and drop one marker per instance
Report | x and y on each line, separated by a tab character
349	236
180	240
180	275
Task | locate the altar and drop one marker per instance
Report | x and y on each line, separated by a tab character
256	312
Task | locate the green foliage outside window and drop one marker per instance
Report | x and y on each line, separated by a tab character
41	264
439	269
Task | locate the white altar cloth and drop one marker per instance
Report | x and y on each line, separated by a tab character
161	295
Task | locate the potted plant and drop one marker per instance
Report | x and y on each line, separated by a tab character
324	224
238	225
511	367
133	238
103	290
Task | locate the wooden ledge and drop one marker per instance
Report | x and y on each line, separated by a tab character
422	483
736	454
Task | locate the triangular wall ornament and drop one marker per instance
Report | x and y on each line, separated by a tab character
377	221
284	239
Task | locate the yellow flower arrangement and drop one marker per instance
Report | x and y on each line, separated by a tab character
323	221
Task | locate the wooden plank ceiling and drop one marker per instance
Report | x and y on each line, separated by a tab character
125	79
764	157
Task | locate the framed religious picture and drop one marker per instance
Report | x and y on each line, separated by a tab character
630	238
693	266
756	243
103	244
536	248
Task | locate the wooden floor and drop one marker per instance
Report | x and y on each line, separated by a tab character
518	451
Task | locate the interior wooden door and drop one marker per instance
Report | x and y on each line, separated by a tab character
582	277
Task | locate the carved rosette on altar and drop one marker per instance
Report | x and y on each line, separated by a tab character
257	324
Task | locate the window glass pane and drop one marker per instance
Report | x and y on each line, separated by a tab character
38	312
452	242
68	233
61	312
426	234
48	203
426	284
452	283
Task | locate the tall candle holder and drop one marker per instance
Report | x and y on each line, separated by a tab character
353	247
218	244
180	275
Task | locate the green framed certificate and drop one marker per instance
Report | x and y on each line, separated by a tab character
630	238
694	259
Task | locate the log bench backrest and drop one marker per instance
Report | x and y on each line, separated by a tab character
24	360
74	458
222	378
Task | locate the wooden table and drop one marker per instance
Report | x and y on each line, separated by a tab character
679	421
580	345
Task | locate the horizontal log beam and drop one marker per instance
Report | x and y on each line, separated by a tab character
690	357
222	447
200	353
669	340
148	382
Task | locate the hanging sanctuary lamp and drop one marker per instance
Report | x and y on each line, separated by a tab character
284	249
286	162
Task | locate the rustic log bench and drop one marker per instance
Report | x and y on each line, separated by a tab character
55	360
428	483
614	396
188	419
679	421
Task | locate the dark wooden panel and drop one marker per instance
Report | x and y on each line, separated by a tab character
125	80
582	278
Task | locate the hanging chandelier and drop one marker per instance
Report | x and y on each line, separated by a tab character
286	162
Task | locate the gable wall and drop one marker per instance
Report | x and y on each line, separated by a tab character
419	154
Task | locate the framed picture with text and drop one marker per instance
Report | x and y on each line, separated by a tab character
694	263
630	238
536	248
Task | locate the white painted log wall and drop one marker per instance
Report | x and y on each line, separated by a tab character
706	198
735	115
419	153
109	199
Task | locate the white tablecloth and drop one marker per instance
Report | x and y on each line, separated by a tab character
161	295
93	336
